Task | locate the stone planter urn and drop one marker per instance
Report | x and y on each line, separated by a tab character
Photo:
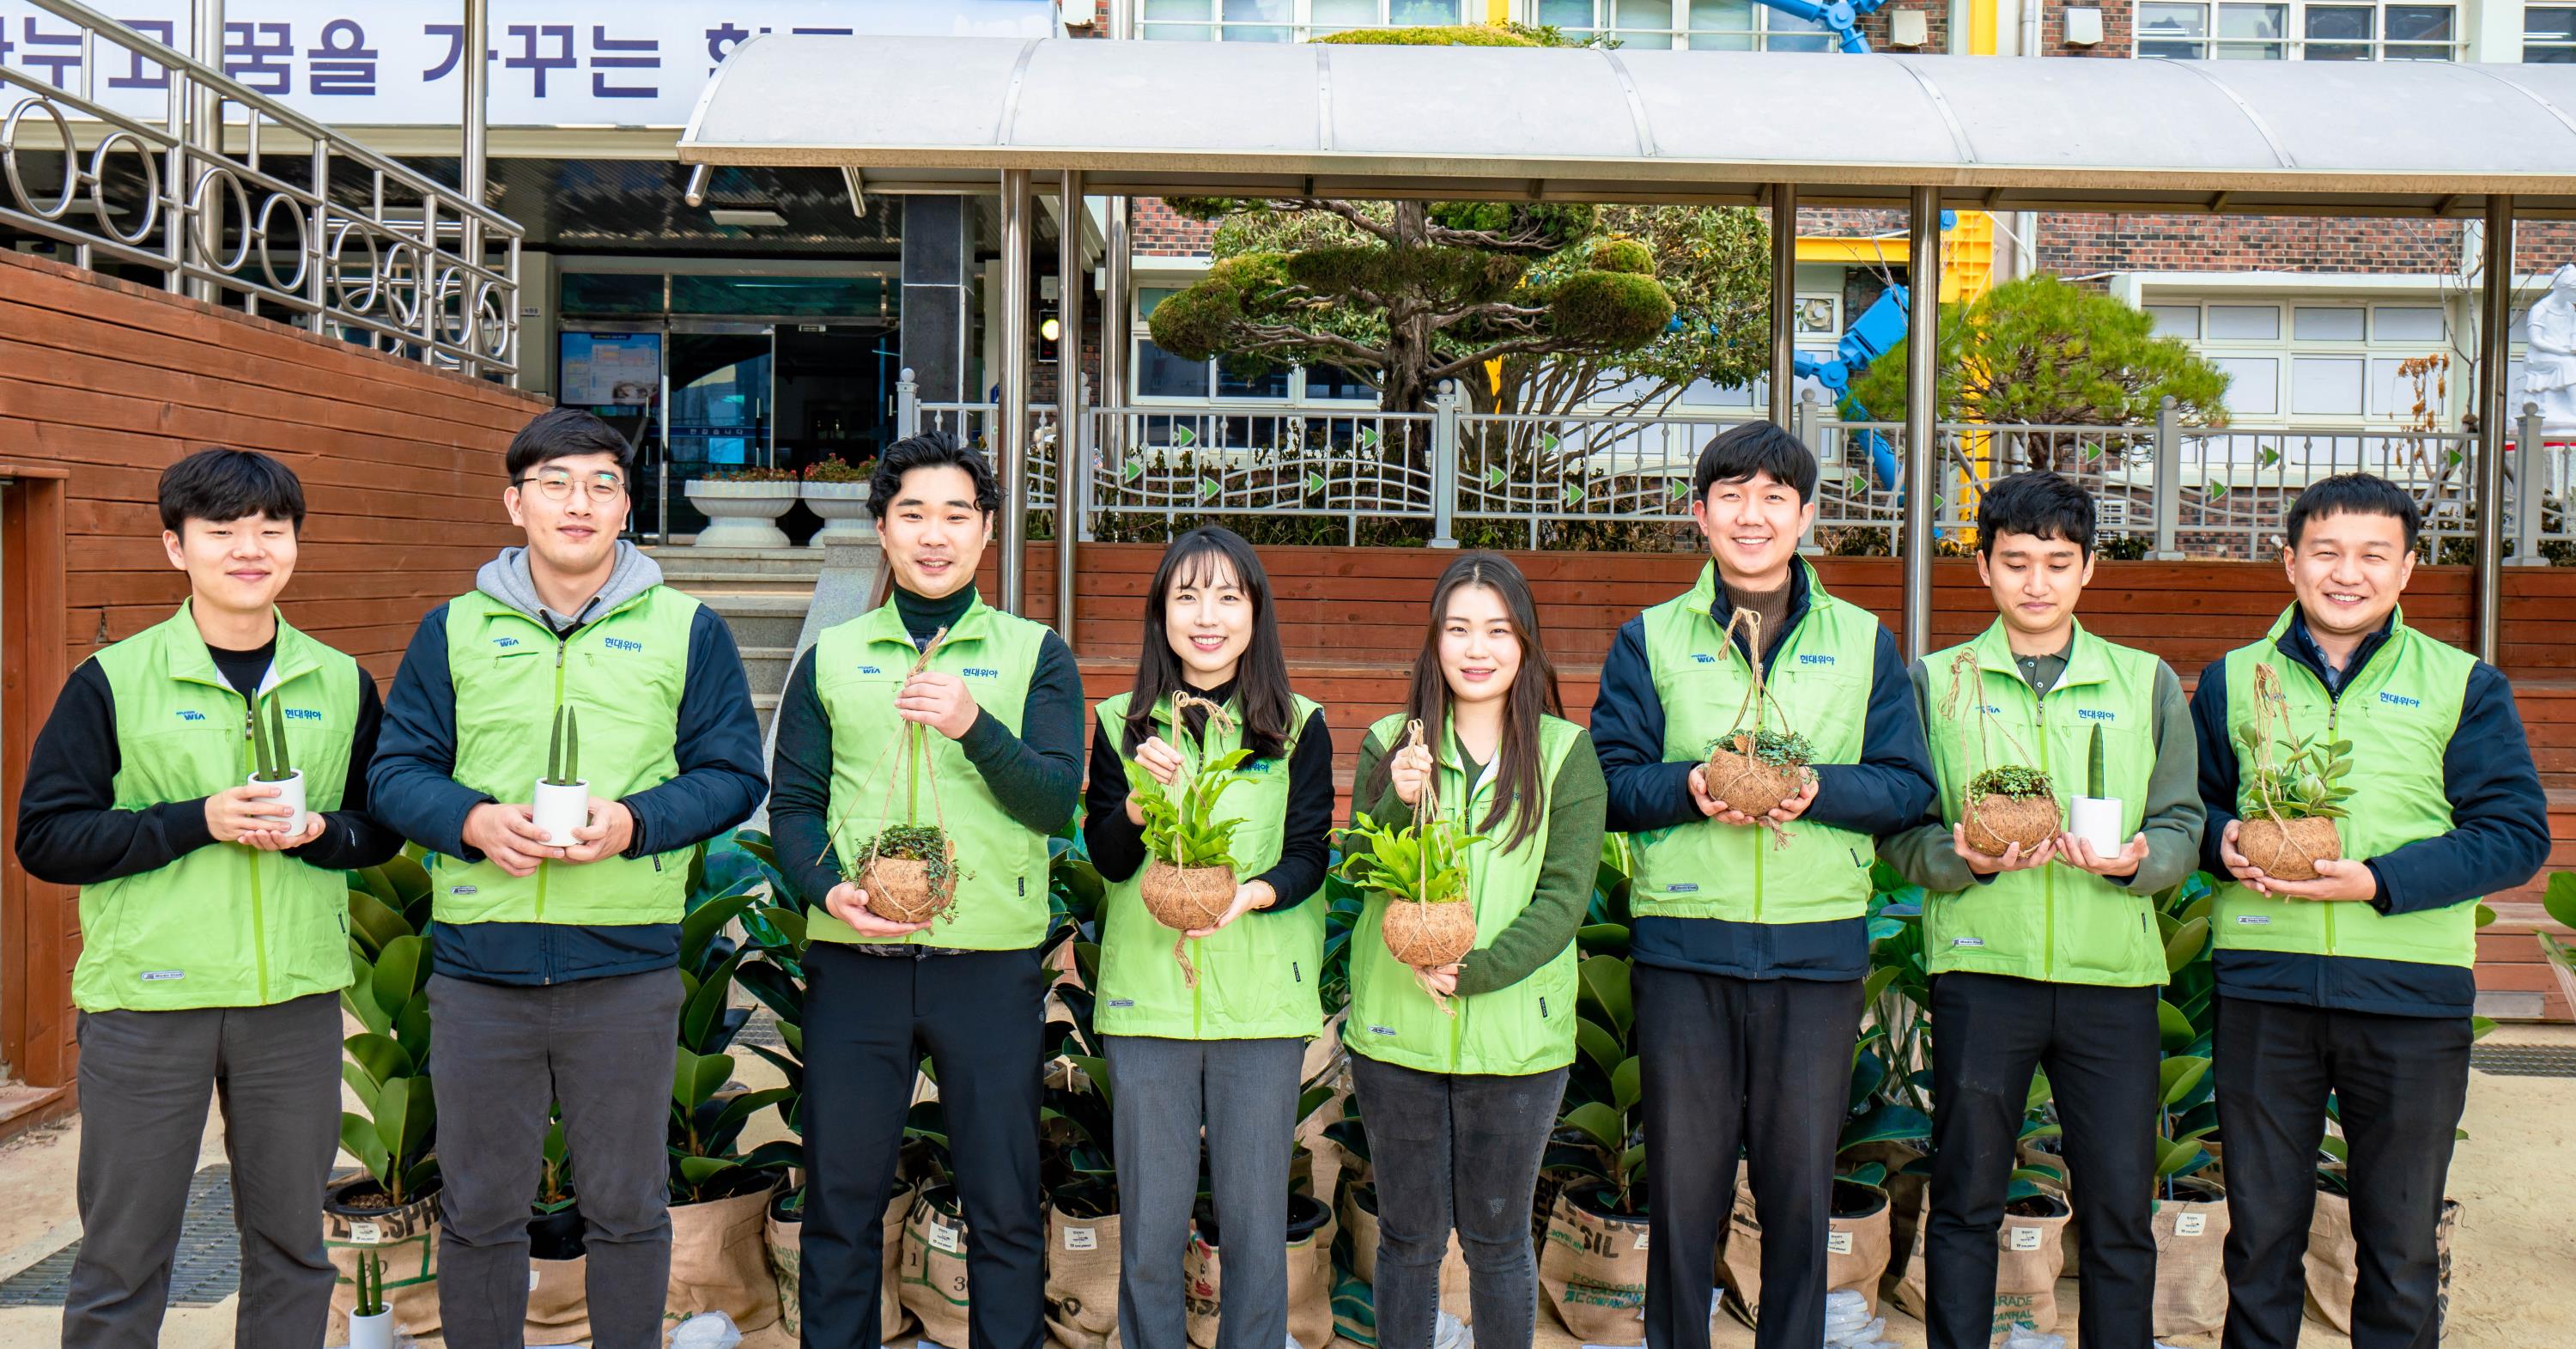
742	514
844	508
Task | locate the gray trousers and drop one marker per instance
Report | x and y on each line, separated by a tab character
144	1077
1245	1091
605	1049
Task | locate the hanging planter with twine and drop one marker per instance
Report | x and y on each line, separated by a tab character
2300	797
909	870
1421	869
1754	769
1189	883
2003	804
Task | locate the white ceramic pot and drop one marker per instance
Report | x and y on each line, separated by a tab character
2097	821
372	1332
844	508
740	514
559	810
290	794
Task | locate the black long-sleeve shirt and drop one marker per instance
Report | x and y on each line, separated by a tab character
1036	776
71	833
1887	790
2499	836
1117	847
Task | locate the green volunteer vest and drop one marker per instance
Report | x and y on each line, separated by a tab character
1525	1028
2399	711
1821	674
1257	977
226	925
2057	922
622	672
1001	895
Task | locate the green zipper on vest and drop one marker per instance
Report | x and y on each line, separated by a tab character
563	644
2047	874
2334	715
258	917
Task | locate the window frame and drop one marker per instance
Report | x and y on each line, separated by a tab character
1763	36
2286	350
1299	27
2295	40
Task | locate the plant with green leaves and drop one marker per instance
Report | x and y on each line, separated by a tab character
1185	831
1077	1152
371	1285
2306	782
1606	1085
268	742
563	754
707	1119
2560	901
1424	863
554	1177
2094	768
386	1067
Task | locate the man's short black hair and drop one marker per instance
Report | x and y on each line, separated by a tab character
931	449
224	484
2353	494
1738	452
2038	503
562	433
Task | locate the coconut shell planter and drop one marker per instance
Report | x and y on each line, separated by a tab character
2289	849
1754	771
1428	920
1428	936
1186	898
910	873
2008	806
2295	792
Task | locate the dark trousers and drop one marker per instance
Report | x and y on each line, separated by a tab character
1760	1064
506	1054
144	1080
2100	1047
2402	1082
1458	1150
868	1020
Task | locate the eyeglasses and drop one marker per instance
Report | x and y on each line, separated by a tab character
600	487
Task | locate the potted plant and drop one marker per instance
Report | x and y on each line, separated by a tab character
1420	872
2097	817
742	506
1592	1264
837	490
371	1322
1754	768
2559	899
909	870
554	1221
273	767
2005	804
2296	799
561	800
389	1212
1189	883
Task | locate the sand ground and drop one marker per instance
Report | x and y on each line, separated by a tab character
2515	1257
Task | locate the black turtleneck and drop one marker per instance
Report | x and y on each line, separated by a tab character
1118	847
923	618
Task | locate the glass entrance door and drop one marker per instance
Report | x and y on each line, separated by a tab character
722	416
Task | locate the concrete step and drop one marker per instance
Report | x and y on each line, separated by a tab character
765	707
763	621
706	585
683	563
767	667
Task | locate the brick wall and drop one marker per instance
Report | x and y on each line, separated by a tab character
2072	244
2118	30
1877	26
1162	232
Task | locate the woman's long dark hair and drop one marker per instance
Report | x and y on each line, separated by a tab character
1261	679
1519	777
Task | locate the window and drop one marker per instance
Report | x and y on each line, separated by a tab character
1699	25
2322	363
1161	375
2310	30
1288	20
2549	35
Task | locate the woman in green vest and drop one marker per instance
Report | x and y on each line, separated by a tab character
1207	1028
1460	1098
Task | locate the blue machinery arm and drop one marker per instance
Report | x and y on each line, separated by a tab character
1839	17
1879	327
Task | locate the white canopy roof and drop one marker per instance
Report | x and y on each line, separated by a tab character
1162	118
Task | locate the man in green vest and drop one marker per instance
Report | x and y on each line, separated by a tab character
554	966
1749	940
931	709
2351	994
214	923
2047	958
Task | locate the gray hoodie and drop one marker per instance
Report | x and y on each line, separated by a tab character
506	578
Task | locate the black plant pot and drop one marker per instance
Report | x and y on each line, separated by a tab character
555	1236
1305	1214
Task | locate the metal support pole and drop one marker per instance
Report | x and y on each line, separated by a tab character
1117	313
1922	314
2530	483
205	138
907	406
2167	487
473	165
2495	302
1072	460
1012	442
1784	303
1444	466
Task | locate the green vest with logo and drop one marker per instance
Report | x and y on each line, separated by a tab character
1820	674
1001	894
622	674
2399	711
2056	922
1256	977
225	925
1524	1028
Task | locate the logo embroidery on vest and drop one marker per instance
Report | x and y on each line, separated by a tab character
2400	700
1807	659
2253	919
1703	658
304	713
1682	888
978	672
2096	714
461	890
186	715
505	641
870	669
621	644
1967	941
163	976
1122	1002
1387	1031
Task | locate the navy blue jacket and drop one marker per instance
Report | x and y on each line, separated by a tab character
1888	790
2499	837
719	785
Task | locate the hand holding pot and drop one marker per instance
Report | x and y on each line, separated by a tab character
272	840
1709	805
237	811
2339	879
1797	805
1440	979
938	701
611	831
1248	896
2076	851
2238	864
849	903
2013	859
510	836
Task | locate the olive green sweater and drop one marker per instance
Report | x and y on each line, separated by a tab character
1575	810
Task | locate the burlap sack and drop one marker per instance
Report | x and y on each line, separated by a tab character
1358	1219
933	1277
558	1301
2029	1259
786	1242
1310	1280
2191	1265
2334	1260
1856	1248
1082	1281
406	1239
1593	1270
2030	1154
892	1315
720	1261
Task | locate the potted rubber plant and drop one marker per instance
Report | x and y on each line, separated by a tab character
561	802
389	1211
272	766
